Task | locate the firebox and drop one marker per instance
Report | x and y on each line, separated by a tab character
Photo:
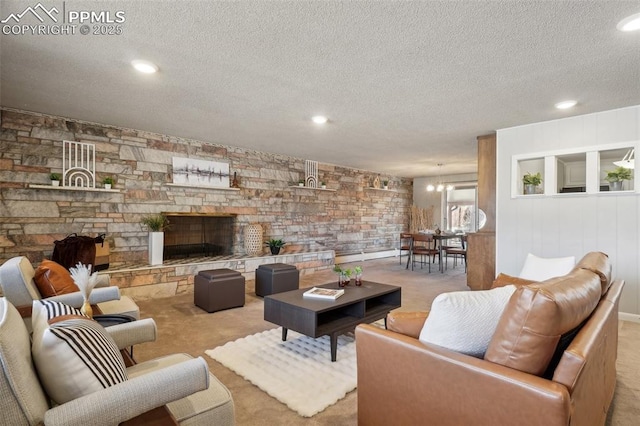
198	235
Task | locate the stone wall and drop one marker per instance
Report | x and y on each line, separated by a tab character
351	219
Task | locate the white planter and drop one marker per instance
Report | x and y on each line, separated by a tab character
107	186
55	182
156	247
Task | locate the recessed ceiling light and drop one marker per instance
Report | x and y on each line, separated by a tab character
144	66
630	23
566	104
319	119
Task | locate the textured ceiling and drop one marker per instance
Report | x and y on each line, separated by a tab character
406	85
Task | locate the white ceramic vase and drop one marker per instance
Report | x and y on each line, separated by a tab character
156	247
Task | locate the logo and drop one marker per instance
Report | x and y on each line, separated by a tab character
39	20
33	11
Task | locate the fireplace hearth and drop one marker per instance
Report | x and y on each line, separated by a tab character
198	235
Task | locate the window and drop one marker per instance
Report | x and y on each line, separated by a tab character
460	208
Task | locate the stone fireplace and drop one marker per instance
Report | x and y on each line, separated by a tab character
195	234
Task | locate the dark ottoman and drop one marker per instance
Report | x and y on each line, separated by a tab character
276	278
218	289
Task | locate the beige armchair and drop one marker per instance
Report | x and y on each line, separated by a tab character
18	286
192	395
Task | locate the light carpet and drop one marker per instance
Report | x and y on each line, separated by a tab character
299	372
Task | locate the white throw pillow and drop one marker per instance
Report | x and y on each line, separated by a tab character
465	321
42	311
541	269
75	357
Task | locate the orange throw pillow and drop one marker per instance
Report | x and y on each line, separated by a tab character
52	279
504	279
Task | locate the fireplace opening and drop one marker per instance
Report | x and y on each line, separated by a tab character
198	235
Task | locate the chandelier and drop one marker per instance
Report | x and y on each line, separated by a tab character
440	186
628	161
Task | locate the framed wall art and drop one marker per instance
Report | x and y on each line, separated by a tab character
190	172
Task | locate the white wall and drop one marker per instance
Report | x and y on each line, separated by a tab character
552	226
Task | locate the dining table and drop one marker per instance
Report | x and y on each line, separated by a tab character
438	238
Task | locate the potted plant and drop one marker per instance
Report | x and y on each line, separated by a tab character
344	275
323	185
107	181
156	224
531	182
616	177
275	245
301	182
358	271
55	179
385	184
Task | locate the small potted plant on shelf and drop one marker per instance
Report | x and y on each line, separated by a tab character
385	184
275	245
323	185
301	182
616	177
55	179
531	182
107	181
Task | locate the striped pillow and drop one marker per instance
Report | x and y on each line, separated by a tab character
54	309
75	357
44	311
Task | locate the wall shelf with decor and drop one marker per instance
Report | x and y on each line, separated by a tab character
313	189
202	187
380	189
71	188
579	171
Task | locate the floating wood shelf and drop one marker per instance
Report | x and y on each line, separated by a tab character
202	187
380	189
313	189
72	188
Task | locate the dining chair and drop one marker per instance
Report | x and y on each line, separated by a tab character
460	251
424	245
405	244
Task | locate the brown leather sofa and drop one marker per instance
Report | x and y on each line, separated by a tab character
403	381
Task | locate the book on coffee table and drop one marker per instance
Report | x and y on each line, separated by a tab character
323	293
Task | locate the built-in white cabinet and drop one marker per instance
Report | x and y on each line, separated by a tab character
576	171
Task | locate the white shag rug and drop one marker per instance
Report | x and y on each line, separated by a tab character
299	372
